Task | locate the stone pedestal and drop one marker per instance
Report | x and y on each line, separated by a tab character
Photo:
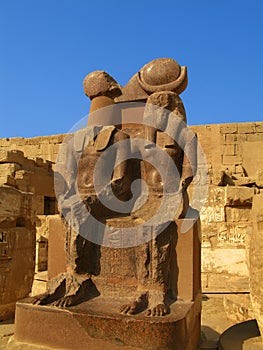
97	323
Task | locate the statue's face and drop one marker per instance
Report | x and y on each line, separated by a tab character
161	118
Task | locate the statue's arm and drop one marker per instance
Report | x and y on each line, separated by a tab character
190	159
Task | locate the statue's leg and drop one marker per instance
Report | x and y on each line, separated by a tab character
56	287
75	285
82	262
140	303
162	249
153	273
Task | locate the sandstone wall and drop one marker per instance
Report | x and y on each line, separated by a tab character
235	162
32	170
43	147
236	147
235	159
29	178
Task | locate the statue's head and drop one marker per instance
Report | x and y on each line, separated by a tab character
163	74
159	106
100	83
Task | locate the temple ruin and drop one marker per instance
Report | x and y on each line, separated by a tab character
231	216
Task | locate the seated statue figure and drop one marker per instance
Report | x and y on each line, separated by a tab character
83	150
155	257
153	260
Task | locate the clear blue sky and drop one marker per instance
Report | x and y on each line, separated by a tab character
48	46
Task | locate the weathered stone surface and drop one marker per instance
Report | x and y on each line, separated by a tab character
238	307
234	159
246	128
168	100
17	247
56	242
238	214
259	127
16	157
236	235
229	128
224	283
245	181
251	164
9	168
7	180
256	261
222	177
214	207
42	238
153	77
10	156
18	206
33	147
238	196
221	260
42	225
100	83
97	325
259	178
229	150
14	203
218	177
163	74
41	254
240	171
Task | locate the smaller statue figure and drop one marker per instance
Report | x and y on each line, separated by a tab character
156	257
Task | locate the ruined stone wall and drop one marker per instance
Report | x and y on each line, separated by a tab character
27	178
42	147
236	147
234	158
235	162
32	171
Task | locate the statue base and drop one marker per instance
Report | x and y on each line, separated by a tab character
97	324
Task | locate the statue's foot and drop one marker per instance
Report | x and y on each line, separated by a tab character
67	300
77	292
53	294
42	299
158	310
67	290
37	299
158	303
136	306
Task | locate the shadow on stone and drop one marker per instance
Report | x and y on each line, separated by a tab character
234	336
